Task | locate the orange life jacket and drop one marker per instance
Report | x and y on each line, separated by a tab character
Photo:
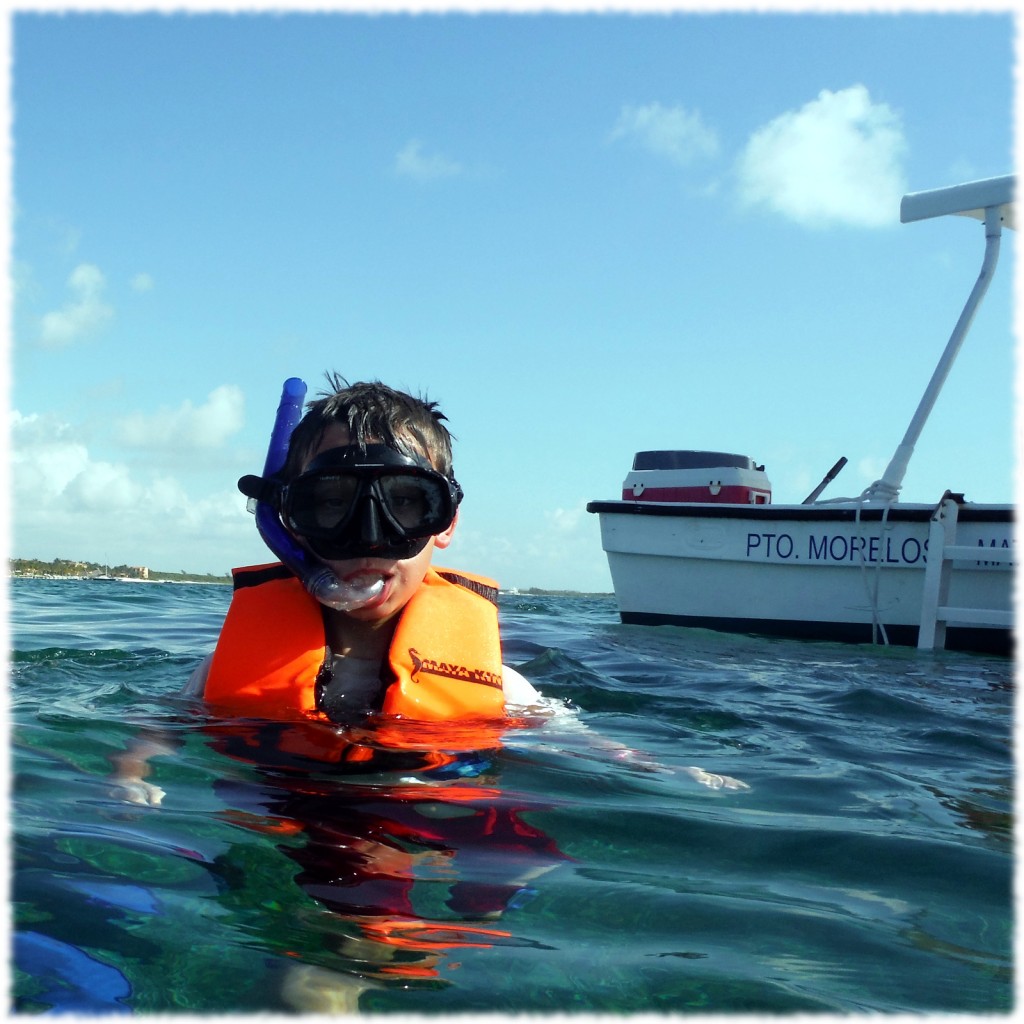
444	659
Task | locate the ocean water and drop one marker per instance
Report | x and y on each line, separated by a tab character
867	866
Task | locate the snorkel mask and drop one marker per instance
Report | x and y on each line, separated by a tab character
353	502
368	502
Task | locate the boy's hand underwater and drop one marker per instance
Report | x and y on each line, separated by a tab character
136	791
715	781
638	760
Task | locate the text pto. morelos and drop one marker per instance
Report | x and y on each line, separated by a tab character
840	548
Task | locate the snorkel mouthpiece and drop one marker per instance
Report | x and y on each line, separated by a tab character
343	595
316	577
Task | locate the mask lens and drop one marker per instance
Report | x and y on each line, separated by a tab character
413	503
320	505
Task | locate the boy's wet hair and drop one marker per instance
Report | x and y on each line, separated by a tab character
373	413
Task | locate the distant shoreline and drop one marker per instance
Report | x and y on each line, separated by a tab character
215	582
93	572
541	592
226	582
77	569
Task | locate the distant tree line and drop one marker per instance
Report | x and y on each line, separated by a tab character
71	567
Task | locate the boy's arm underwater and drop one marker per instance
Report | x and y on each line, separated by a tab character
132	768
523	696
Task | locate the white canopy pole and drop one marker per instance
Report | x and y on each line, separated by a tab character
989	200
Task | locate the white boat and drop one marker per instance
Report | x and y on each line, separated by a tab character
695	540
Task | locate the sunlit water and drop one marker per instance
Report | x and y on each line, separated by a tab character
867	868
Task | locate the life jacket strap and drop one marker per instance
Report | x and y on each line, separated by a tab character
491	593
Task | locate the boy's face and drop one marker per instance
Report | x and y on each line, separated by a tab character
402	577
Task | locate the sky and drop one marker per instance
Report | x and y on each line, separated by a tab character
582	234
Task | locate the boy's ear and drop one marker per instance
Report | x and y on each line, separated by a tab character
443	539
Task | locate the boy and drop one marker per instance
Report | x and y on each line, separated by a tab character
368	490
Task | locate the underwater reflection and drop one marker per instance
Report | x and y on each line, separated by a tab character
403	832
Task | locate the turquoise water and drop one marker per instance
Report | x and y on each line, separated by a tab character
867	868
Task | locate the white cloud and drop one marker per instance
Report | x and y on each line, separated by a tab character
675	133
187	427
44	457
569	549
871	468
83	314
556	548
51	467
413	162
67	504
23	280
836	160
67	238
142	283
565	520
103	487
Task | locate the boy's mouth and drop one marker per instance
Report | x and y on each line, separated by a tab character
366	578
365	572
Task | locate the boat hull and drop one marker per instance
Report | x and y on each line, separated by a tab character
809	572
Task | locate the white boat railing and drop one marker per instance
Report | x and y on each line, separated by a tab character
943	552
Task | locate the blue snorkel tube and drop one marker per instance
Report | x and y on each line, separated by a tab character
316	577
